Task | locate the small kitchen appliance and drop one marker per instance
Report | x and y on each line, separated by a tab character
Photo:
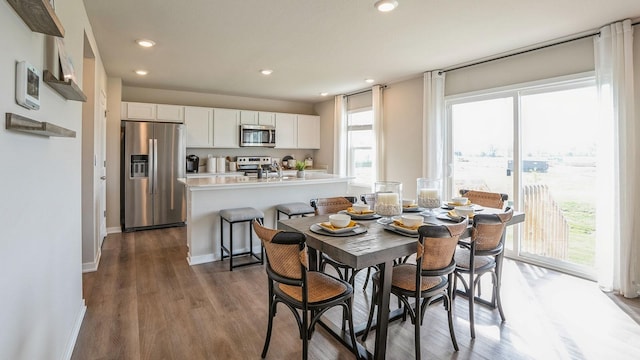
192	163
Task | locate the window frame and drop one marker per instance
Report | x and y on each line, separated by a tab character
350	149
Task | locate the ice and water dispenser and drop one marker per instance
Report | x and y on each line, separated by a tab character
139	166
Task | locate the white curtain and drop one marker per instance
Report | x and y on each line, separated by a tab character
433	125
339	136
617	250
378	150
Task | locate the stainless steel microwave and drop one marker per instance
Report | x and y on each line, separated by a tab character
257	135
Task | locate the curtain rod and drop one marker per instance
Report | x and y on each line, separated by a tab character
364	91
524	51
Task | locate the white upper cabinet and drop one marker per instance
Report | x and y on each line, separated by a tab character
199	124
308	132
286	131
266	118
170	113
152	112
226	123
248	117
138	111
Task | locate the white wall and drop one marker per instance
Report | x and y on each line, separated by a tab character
114	94
41	306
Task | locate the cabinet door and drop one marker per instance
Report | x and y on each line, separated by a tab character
199	124
248	117
286	131
308	132
267	118
226	124
139	111
170	113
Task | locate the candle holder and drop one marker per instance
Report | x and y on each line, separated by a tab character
388	200
429	195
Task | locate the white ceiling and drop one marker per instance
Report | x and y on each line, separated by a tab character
315	46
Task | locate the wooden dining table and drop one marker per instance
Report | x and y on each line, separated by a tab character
376	247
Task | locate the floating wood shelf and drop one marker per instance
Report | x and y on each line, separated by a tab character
21	123
39	16
68	89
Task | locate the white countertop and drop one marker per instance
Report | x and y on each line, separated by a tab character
227	181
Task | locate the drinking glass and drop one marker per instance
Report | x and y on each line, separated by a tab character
429	192
388	200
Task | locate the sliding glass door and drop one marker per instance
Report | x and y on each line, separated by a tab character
537	144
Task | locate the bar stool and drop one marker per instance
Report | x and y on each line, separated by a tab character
239	215
293	209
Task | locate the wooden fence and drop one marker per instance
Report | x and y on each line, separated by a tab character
546	230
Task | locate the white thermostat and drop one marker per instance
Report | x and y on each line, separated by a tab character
28	85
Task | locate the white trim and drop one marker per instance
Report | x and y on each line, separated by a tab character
114	230
201	259
75	332
92	266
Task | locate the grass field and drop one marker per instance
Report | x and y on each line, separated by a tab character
571	183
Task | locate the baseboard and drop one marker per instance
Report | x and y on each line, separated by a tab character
114	230
201	259
75	332
92	266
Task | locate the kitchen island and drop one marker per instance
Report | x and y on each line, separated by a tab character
206	196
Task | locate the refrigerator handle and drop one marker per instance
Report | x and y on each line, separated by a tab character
152	176
155	166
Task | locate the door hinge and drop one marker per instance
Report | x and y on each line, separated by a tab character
104	213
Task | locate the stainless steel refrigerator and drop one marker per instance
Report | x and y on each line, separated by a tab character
153	158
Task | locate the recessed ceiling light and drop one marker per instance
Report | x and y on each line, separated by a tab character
266	71
142	72
146	43
385	5
324	94
369	81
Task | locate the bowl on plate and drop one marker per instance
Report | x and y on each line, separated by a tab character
463	210
411	220
408	202
339	220
359	208
460	200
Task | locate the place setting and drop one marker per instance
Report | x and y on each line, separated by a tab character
338	225
410	206
360	212
457	214
406	225
460	201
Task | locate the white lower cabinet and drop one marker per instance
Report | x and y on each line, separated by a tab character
226	127
199	124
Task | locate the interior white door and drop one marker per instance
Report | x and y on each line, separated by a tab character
101	165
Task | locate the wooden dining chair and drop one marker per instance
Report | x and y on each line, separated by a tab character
430	279
485	198
308	294
483	253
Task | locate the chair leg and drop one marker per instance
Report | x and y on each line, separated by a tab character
352	333
305	335
471	296
272	314
417	322
449	308
366	280
371	310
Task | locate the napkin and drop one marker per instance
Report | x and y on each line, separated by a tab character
454	216
329	226
363	212
400	224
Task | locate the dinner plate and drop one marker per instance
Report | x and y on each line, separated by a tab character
450	206
400	230
411	209
356	230
360	216
445	216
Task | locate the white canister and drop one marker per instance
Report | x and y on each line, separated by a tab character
232	166
211	165
221	164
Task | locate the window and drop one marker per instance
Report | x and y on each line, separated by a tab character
536	143
360	141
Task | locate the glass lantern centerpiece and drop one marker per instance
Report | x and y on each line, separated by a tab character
388	200
429	195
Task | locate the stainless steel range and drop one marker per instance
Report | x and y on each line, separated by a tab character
251	164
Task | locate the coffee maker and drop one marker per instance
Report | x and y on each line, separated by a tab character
192	163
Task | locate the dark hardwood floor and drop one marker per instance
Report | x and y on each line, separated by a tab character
146	302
